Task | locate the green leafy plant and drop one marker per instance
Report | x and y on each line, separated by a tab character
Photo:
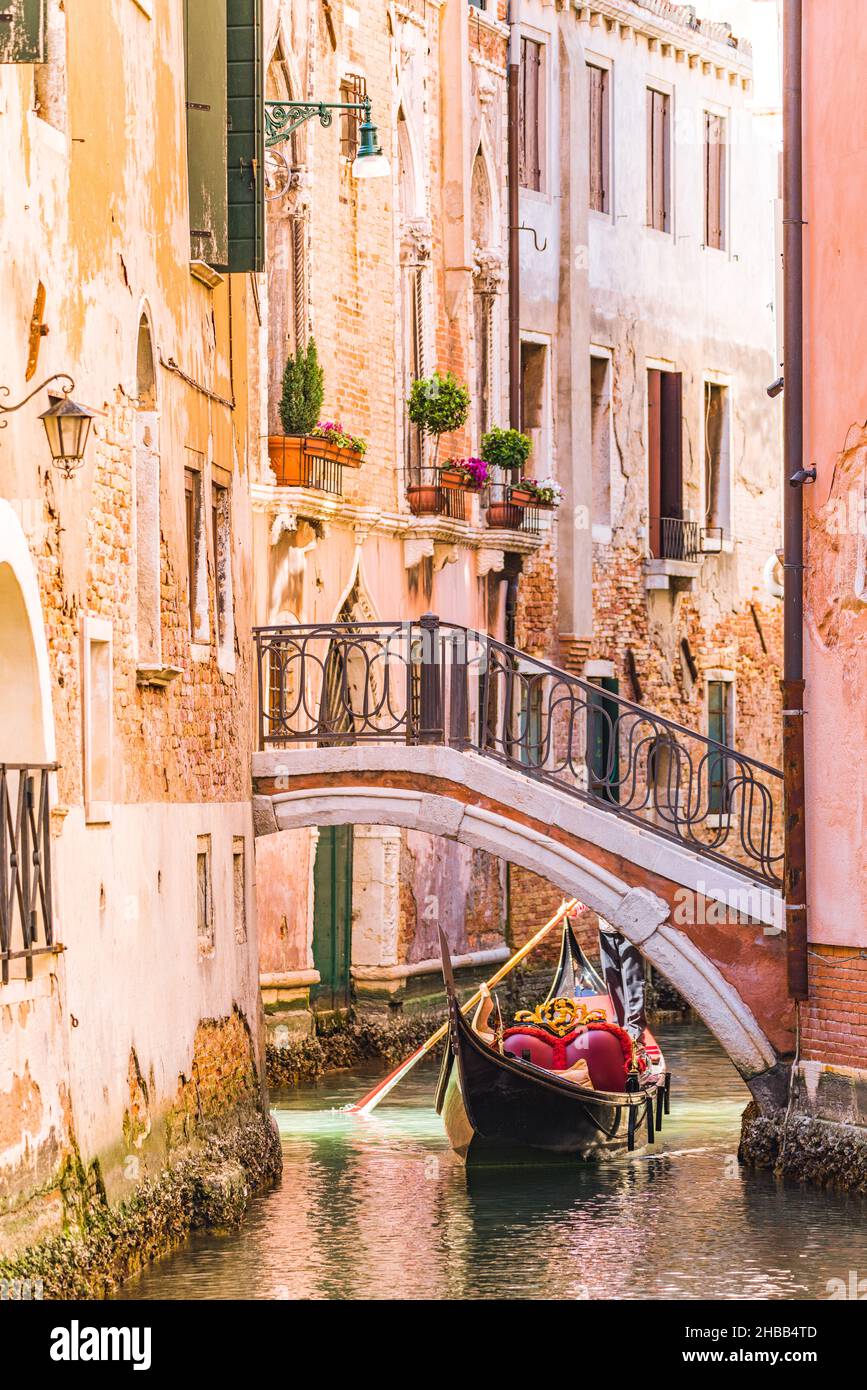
505	449
333	430
438	404
303	390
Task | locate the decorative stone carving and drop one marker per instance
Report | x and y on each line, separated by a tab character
488	270
416	549
416	241
490	561
285	520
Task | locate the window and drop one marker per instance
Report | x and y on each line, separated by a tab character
197	583
352	89
720	711
221	540
603	739
96	677
598	125
658	160
665	464
147	505
717	469
483	309
22	32
534	402
600	445
239	888
225	137
530	730
714	180
531	114
204	895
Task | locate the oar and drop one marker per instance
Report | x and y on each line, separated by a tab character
372	1099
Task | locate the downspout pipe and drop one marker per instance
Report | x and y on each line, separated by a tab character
513	80
795	883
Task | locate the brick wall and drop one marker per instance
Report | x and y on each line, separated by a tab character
834	1018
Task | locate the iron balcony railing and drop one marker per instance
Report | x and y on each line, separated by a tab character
427	495
672	538
428	682
505	514
25	866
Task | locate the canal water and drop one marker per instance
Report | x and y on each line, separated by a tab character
381	1208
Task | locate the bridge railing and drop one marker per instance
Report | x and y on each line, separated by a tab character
427	682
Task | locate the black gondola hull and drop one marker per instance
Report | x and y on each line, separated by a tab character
497	1108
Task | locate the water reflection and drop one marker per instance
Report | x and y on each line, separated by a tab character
380	1208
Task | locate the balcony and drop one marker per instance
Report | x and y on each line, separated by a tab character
307	462
508	510
26	921
430	493
675	553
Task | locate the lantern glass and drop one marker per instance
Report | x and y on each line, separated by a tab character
370	162
67	426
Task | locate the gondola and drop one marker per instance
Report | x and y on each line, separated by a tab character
502	1101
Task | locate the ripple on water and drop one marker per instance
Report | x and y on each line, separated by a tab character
380	1208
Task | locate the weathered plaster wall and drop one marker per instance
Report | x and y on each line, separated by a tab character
95	208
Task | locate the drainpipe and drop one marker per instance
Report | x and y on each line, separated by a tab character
514	216
795	887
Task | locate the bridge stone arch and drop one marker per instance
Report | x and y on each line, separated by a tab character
708	928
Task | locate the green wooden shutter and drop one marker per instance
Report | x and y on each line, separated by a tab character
206	75
22	31
246	145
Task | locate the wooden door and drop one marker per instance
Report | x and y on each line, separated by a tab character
332	917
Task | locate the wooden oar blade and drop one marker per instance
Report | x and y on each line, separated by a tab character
381	1090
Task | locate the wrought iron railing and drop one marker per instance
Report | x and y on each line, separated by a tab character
672	538
428	682
428	495
504	513
297	462
26	923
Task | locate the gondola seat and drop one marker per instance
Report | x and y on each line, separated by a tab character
601	1049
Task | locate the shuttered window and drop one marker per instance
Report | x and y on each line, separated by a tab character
714	180
598	125
658	160
353	89
531	115
246	147
225	153
22	31
206	76
720	702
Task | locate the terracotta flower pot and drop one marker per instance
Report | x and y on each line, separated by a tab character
520	496
505	516
291	456
424	499
452	479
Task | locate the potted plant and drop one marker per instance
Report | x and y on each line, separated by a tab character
350	448
505	449
305	437
468	474
538	492
438	405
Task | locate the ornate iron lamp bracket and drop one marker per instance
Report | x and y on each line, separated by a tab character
283	118
10	409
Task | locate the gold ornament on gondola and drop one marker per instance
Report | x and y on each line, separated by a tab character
561	1016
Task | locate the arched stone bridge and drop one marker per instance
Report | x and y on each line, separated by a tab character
381	724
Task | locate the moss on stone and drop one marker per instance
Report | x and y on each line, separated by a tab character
208	1187
806	1149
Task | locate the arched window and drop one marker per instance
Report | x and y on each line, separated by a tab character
147	503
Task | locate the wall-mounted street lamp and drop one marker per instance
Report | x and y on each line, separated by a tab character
282	119
67	424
